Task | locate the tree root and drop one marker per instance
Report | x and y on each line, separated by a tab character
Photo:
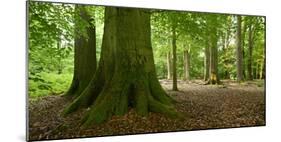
114	100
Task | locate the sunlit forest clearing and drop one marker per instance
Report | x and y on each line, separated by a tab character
96	71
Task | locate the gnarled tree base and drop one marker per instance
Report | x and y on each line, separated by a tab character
126	74
144	94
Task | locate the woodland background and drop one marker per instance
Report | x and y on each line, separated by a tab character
13	80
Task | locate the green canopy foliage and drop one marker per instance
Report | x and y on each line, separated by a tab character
51	33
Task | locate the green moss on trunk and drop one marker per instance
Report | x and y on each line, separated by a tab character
126	71
85	54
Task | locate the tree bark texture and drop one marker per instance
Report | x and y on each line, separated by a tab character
186	65
239	53
126	76
207	63
84	54
213	74
243	47
250	56
174	46
213	39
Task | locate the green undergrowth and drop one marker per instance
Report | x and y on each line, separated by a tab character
44	84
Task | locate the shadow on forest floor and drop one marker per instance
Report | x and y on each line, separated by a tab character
203	107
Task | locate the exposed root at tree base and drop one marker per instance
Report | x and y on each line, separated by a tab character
145	94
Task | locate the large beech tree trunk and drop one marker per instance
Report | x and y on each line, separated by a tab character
126	74
186	65
84	54
239	53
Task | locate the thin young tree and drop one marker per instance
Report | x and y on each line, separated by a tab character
243	46
169	65
186	56
206	62
174	47
239	53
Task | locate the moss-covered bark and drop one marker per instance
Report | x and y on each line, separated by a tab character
85	53
126	74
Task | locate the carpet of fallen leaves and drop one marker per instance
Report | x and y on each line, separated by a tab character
203	107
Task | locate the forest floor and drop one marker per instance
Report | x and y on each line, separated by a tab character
203	107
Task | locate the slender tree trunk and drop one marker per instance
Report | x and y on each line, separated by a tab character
213	49
239	53
250	56
213	77
84	54
169	66
226	74
126	75
213	73
258	67
243	49
264	58
186	65
255	68
207	63
174	45
262	71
